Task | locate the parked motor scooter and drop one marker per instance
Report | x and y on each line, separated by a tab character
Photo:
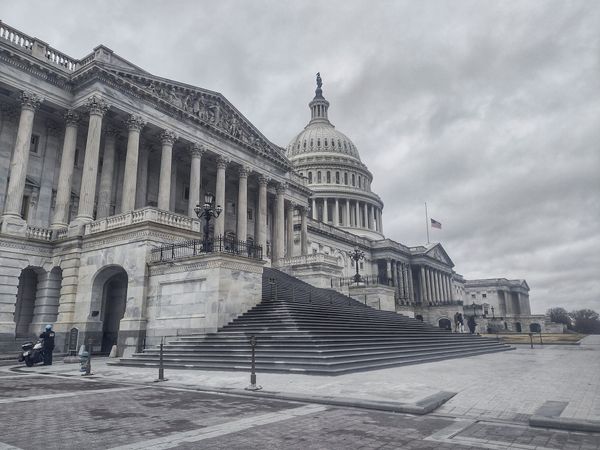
32	353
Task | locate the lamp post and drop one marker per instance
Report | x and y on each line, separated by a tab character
356	256
474	312
208	211
493	316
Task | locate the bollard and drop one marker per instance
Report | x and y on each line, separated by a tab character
161	370
88	362
253	386
531	339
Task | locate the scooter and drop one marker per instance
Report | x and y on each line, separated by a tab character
32	353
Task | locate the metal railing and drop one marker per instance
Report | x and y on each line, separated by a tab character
368	280
194	247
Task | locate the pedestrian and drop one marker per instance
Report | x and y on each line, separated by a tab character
456	323
471	324
461	323
48	345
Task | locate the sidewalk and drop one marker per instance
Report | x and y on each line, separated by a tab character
509	386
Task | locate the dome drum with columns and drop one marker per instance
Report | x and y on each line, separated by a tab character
340	181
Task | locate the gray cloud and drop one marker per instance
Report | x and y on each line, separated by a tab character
489	111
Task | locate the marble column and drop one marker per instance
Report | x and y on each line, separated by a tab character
325	211
63	191
290	230
242	204
167	139
389	269
279	228
438	286
371	226
411	289
423	285
347	213
429	283
19	162
366	214
448	289
380	221
196	152
141	189
314	212
336	213
87	194
222	163
402	281
106	177
135	125
173	198
303	232
261	215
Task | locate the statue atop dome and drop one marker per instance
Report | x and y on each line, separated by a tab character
319	81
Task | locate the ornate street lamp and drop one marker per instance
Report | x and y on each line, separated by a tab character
208	211
356	256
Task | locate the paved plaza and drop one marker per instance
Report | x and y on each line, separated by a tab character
120	407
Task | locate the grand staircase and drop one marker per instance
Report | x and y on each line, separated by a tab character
303	329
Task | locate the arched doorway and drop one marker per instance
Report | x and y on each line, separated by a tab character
445	324
518	327
25	304
110	297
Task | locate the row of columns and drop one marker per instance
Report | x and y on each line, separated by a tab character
97	108
436	286
401	274
354	214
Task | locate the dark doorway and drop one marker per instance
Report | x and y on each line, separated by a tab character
25	303
535	328
445	324
114	300
518	327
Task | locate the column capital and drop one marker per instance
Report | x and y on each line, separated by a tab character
263	180
72	118
244	171
281	188
197	150
111	132
30	100
222	162
168	137
96	105
135	123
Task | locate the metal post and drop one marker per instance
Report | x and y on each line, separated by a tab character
88	364
309	295
161	370
531	339
253	386
293	293
541	342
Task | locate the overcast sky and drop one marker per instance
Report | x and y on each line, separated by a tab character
488	111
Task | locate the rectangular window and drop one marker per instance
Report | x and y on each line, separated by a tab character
250	215
337	178
35	140
484	295
186	193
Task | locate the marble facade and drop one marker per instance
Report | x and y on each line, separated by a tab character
101	163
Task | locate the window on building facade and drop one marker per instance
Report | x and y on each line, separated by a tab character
353	180
484	295
328	177
33	147
309	177
319	176
473	296
359	182
186	193
250	215
337	178
346	178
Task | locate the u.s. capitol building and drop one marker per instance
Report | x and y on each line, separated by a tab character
102	166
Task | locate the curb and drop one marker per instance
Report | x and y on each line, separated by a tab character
421	407
565	424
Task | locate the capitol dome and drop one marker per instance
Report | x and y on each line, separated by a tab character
340	181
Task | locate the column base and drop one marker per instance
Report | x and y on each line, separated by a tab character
12	224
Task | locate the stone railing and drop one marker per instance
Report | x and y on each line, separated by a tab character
313	258
147	214
41	234
39	49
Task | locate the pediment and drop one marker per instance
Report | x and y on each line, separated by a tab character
438	253
211	109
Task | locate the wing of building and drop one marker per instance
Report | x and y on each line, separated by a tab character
105	175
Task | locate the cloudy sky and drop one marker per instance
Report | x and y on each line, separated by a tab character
488	111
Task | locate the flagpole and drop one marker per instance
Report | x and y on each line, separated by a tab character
427	223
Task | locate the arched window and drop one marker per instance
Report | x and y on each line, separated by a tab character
337	177
353	180
328	177
325	142
319	177
318	142
346	178
359	182
309	177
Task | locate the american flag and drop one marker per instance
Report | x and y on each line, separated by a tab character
436	224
